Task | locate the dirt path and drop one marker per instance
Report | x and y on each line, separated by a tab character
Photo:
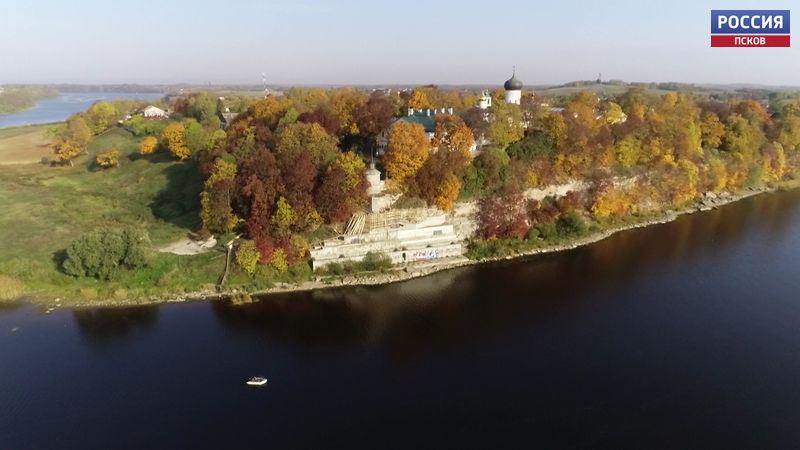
187	246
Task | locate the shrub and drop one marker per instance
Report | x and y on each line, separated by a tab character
102	253
148	145
247	256
571	224
547	230
376	261
107	159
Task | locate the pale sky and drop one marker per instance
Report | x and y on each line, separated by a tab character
378	42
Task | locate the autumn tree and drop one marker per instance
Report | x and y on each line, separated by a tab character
685	185
611	201
101	116
477	121
148	145
345	104
215	200
247	256
407	150
438	182
375	116
173	140
343	189
613	113
66	151
324	117
505	124
76	131
71	142
311	138
300	178
447	192
107	159
452	134
418	99
282	219
788	130
712	130
258	184
502	216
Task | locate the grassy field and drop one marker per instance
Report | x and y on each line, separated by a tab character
45	208
24	145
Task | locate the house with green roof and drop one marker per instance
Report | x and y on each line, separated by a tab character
424	117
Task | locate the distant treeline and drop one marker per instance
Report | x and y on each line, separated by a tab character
18	98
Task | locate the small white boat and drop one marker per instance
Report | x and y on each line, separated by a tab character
257	381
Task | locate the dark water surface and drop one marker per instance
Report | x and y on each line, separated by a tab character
57	109
683	335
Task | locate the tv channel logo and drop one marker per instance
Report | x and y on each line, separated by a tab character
750	28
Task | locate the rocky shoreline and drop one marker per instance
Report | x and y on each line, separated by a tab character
708	202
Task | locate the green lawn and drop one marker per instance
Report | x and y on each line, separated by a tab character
44	208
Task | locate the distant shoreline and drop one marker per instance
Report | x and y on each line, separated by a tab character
404	274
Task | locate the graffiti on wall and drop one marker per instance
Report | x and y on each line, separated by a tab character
427	253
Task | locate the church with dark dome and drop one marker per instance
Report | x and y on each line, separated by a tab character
513	87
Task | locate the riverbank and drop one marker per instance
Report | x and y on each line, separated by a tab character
406	273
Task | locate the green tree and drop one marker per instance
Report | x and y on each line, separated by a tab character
505	124
101	116
103	253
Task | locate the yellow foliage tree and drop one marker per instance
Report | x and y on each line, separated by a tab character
418	99
773	166
148	145
407	150
717	175
627	151
687	179
278	261
711	130
613	113
353	167
247	256
447	192
174	140
452	134
66	151
283	217
345	103
613	202
107	159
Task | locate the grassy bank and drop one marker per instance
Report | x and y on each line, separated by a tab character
24	145
45	208
17	99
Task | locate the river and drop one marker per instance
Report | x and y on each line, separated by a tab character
57	109
681	335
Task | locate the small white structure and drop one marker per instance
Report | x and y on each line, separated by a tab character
374	181
153	112
428	239
485	101
513	89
